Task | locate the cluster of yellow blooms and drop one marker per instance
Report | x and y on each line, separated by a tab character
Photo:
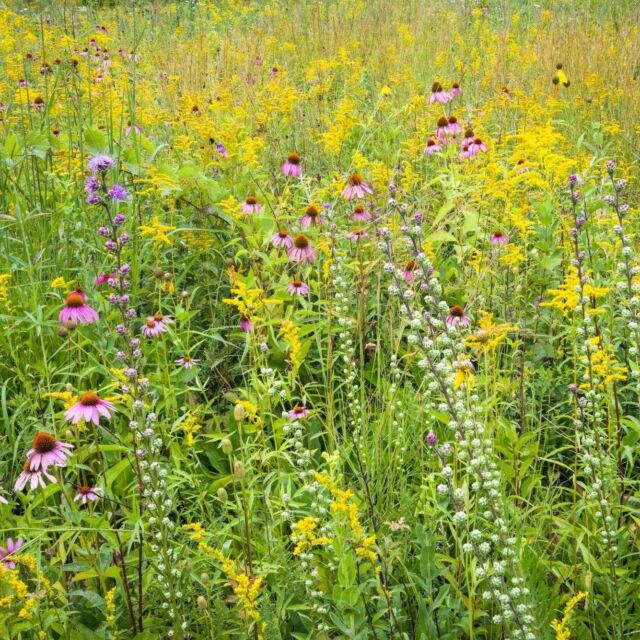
190	425
560	626
246	588
18	589
4	291
290	333
305	536
110	604
345	505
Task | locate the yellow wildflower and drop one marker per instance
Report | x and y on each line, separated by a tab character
157	231
560	626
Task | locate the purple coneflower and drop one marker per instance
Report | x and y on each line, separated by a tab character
360	214
438	94
103	278
245	323
76	311
357	234
32	478
8	551
455	90
101	163
356	187
298	412
282	239
155	325
291	167
298	288
311	217
131	128
409	269
89	408
46	451
442	128
457	317
87	493
499	238
301	250
453	126
251	205
471	145
186	362
432	147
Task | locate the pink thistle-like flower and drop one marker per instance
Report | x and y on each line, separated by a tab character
8	551
282	239
187	362
356	187
251	205
301	250
291	167
32	478
499	238
298	288
311	217
457	317
75	311
245	324
438	94
87	493
298	412
155	325
46	451
408	273
432	147
89	408
360	214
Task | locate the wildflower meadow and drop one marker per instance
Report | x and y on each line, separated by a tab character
319	319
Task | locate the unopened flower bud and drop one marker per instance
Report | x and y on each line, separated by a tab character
238	469
226	446
239	412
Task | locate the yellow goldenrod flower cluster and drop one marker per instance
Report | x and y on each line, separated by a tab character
344	505
305	537
246	588
560	626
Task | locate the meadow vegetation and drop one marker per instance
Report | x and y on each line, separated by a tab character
319	320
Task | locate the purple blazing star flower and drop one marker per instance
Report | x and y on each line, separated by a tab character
101	163
118	193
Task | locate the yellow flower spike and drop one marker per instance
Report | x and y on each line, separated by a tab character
560	626
4	290
290	333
